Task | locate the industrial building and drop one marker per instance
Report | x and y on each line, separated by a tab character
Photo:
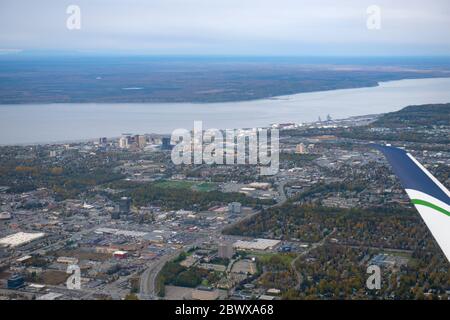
257	244
20	238
120	254
67	260
50	296
5	216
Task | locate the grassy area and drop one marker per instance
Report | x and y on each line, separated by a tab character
51	277
298	159
170	184
267	258
175	195
191	185
205	187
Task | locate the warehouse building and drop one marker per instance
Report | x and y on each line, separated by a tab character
20	238
257	244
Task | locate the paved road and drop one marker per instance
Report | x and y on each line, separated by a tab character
282	195
377	248
148	277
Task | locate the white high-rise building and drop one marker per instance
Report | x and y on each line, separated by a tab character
300	149
123	142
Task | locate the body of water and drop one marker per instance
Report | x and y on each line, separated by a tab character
41	123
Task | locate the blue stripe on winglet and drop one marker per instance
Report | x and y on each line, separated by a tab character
411	176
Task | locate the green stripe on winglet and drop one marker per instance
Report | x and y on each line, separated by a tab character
430	205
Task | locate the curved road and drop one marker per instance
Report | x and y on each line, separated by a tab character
148	277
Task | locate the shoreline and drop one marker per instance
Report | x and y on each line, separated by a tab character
268	98
87	140
50	123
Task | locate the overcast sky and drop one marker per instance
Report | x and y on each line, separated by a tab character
228	27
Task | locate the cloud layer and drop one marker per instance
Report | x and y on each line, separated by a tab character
281	27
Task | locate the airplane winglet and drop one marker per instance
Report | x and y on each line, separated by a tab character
429	196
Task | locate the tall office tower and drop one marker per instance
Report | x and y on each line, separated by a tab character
124	205
140	141
300	149
225	251
166	144
123	142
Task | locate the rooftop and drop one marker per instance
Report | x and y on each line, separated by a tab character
20	238
257	244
